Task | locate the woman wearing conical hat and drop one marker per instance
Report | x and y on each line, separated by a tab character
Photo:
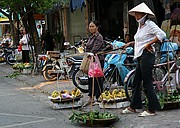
148	33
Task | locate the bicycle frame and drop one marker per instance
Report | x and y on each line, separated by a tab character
161	84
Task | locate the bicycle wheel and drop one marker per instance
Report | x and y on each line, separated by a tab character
129	88
157	74
112	78
80	80
178	80
10	59
129	85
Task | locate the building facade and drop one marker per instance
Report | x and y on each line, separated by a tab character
112	14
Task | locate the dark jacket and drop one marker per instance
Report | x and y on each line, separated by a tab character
95	44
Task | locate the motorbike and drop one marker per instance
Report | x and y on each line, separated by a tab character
54	67
112	62
74	62
79	78
59	65
10	55
2	56
13	56
117	65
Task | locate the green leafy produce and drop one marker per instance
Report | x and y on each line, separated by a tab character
20	66
90	116
14	75
168	97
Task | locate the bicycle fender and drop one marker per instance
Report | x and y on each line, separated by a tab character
129	74
44	68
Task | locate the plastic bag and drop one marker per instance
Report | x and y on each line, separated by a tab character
95	69
19	48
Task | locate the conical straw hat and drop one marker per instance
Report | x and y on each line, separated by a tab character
142	8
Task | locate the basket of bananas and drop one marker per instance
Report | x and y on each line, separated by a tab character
116	95
65	96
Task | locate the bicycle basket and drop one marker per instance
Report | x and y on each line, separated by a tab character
54	54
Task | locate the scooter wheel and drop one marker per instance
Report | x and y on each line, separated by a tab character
80	80
47	76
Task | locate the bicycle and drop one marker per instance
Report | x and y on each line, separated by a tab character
162	79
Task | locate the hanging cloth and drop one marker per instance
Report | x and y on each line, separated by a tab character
74	4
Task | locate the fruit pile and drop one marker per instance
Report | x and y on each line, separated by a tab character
66	94
115	94
21	66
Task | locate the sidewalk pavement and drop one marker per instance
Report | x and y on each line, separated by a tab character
163	119
38	82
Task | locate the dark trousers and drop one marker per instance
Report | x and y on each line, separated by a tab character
25	56
143	74
98	84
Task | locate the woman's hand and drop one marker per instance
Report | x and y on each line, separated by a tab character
149	47
127	45
90	54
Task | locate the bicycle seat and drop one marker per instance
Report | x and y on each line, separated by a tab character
78	57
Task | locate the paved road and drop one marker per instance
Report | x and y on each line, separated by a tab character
24	104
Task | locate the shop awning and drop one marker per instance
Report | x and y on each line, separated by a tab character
4	23
3	19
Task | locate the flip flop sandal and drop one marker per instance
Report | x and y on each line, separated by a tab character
127	111
96	103
145	113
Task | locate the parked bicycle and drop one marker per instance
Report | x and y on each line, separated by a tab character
163	81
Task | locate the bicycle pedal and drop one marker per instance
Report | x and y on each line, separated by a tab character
170	78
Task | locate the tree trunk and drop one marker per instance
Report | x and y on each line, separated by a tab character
33	32
15	30
34	37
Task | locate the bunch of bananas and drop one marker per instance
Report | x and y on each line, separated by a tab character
107	95
55	94
118	93
76	92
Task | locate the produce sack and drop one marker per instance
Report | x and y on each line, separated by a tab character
95	69
85	64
